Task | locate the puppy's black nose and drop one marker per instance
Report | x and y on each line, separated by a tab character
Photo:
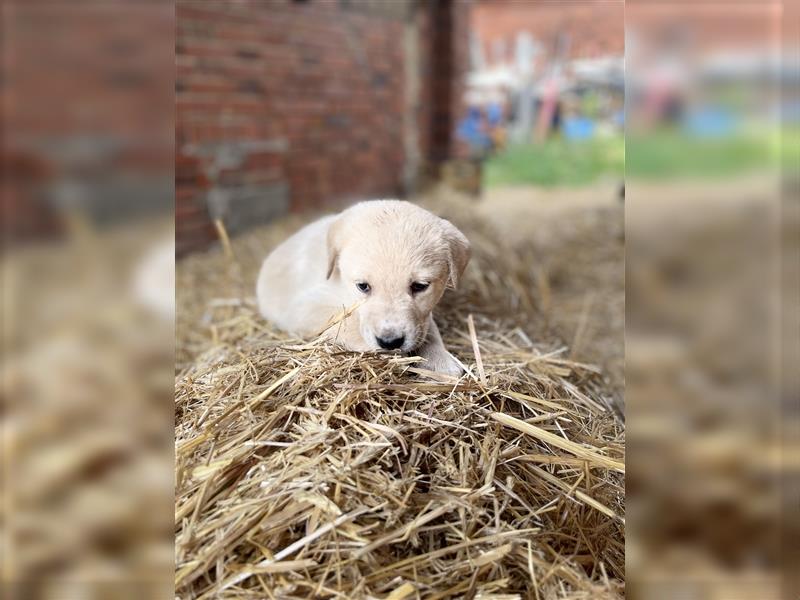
390	344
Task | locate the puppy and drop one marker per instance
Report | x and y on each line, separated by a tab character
390	259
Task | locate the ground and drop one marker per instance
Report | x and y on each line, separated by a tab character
577	238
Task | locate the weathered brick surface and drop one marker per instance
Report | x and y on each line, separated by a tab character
595	27
320	85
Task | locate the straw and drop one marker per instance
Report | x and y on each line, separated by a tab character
304	470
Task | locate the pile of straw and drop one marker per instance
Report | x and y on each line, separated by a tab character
87	446
307	471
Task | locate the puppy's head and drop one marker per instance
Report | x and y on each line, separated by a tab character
398	259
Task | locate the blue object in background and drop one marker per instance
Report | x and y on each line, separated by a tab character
470	130
710	122
577	128
494	114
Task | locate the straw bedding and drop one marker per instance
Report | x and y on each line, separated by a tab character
305	471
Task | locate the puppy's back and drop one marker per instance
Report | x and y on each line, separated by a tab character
292	274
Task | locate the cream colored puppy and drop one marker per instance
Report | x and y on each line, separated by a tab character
390	258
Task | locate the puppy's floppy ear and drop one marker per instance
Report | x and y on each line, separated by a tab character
458	252
334	234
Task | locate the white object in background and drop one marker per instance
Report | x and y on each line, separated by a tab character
154	279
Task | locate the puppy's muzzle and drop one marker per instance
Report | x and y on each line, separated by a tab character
390	343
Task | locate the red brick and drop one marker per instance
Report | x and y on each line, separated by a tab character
326	79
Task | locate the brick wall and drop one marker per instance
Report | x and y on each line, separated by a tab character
736	25
594	28
87	97
597	27
297	105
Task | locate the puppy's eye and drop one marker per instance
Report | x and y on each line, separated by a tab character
418	287
363	287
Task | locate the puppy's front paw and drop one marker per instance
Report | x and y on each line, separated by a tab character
444	363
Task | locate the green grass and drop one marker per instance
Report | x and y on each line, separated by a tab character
790	150
670	154
557	162
659	155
